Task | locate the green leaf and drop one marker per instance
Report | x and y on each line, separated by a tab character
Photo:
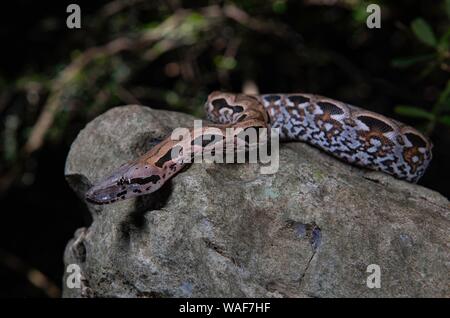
423	32
447	7
360	13
443	101
172	98
445	120
403	62
225	62
444	41
196	17
279	6
412	111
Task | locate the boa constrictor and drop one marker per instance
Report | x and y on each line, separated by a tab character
350	133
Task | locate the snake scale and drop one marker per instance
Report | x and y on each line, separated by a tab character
352	134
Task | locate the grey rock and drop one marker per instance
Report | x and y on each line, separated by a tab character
225	230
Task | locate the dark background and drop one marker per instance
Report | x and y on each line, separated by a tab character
314	46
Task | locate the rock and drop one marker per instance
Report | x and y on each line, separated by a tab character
225	230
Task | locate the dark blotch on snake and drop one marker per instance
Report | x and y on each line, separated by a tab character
272	98
330	108
153	179
298	99
121	193
375	124
222	103
416	140
241	118
167	156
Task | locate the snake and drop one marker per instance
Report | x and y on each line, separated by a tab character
352	134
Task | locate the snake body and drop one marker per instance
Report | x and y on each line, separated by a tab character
352	134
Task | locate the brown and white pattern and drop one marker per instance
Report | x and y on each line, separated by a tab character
354	135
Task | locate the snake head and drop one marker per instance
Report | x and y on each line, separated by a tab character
130	180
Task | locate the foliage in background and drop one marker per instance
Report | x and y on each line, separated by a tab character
439	58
